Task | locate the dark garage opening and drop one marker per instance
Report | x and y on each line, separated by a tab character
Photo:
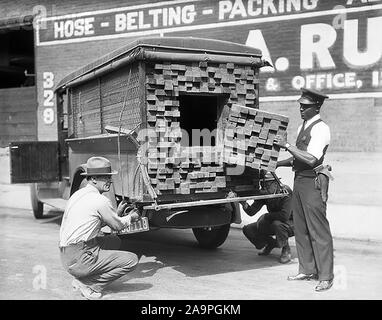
199	112
16	58
18	101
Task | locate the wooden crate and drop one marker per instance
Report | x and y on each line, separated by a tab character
249	137
199	171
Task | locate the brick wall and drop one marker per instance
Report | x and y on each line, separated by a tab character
356	124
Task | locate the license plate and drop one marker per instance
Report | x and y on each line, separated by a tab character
140	225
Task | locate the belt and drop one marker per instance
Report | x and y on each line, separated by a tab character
80	244
306	173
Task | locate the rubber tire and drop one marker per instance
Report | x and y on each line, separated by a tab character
211	239
37	206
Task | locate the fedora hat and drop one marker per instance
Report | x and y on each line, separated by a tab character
98	166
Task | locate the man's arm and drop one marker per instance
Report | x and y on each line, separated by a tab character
285	163
251	210
112	219
303	156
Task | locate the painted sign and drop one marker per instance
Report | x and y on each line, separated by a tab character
328	45
322	53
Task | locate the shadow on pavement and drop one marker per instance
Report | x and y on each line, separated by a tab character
121	287
178	250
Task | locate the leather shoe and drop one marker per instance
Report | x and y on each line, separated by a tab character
286	255
324	285
268	248
86	291
303	276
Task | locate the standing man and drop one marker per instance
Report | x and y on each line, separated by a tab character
94	261
314	241
276	222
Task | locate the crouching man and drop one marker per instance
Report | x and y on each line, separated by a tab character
94	261
276	222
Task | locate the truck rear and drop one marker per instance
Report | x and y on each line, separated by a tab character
179	119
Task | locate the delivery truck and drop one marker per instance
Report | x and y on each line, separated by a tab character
179	119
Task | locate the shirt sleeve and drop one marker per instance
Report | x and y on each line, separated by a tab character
105	208
320	138
254	207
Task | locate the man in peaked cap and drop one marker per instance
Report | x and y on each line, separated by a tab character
276	222
94	261
314	241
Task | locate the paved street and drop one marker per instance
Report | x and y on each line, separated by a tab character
185	99
173	267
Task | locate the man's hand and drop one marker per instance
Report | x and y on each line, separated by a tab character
134	215
121	208
280	140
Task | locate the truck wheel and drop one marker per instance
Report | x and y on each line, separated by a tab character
211	237
37	205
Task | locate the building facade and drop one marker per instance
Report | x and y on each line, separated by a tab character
332	46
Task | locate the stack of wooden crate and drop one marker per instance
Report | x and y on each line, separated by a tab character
184	170
192	170
249	137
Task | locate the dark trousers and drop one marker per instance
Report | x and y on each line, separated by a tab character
260	232
314	240
98	262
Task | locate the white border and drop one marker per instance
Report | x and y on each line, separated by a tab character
189	28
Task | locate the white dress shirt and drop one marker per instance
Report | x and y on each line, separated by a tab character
320	137
82	218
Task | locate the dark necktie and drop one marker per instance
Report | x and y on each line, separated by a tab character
302	129
303	126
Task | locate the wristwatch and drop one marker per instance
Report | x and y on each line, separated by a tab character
287	146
